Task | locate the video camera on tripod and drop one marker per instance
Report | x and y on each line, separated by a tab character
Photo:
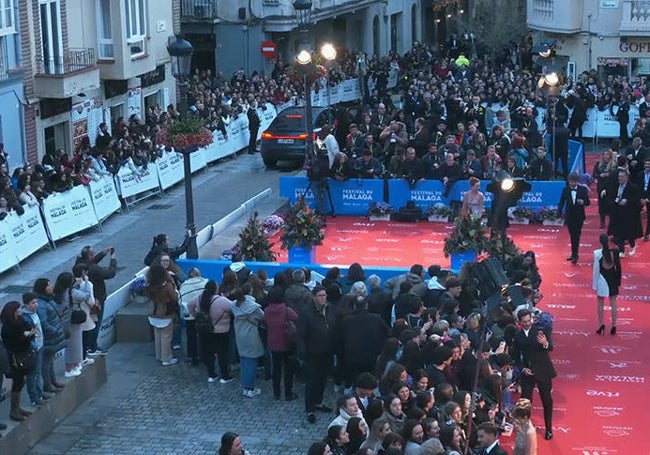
317	163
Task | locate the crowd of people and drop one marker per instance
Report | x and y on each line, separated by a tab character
60	315
406	357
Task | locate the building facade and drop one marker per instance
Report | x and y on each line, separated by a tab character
227	35
12	97
92	61
611	36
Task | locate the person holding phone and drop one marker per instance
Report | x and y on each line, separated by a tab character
531	348
97	275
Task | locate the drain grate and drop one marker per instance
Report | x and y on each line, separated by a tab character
160	206
11	289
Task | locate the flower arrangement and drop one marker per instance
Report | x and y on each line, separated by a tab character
502	247
231	254
438	209
253	244
522	213
467	234
189	132
271	224
137	286
547	213
302	226
379	209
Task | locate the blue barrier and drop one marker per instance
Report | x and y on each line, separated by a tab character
213	269
352	198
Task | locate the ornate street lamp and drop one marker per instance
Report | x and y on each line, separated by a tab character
303	13
181	52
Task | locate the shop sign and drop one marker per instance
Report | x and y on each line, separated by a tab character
634	47
153	77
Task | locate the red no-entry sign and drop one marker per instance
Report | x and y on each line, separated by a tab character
268	49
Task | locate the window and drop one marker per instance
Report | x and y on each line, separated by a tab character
7	24
104	31
52	50
136	26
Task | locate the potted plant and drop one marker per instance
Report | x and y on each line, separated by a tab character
136	288
272	224
181	134
502	247
520	215
302	230
253	244
379	211
549	216
467	240
438	212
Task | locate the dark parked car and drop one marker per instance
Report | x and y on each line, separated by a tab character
286	135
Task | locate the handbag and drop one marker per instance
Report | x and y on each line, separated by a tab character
22	362
78	316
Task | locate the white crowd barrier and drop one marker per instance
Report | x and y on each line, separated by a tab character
21	236
68	213
103	194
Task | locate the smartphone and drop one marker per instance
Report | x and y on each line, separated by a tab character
111	250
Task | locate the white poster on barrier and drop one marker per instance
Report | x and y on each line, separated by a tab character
223	145
131	183
210	152
197	161
266	114
27	232
335	94
104	196
246	134
7	257
69	212
170	169
349	90
607	125
234	134
589	127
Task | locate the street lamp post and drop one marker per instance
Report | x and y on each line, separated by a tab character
328	52
181	51
550	83
303	59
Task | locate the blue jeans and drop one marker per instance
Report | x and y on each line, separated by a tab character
247	372
34	378
95	332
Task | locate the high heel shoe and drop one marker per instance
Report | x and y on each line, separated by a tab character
601	329
613	330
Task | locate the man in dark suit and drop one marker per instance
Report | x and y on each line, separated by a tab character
636	155
364	391
625	217
253	125
643	181
488	434
575	197
531	346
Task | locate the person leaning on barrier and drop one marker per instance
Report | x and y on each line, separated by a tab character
161	245
367	166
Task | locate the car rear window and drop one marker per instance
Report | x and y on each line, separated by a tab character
288	123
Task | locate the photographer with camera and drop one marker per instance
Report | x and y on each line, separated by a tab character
317	165
97	275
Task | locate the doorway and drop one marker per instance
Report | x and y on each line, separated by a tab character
57	137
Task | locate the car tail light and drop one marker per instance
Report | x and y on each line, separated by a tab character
269	135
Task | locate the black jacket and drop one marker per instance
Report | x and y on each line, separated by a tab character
362	335
315	332
528	353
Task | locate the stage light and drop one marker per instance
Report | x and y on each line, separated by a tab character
507	185
303	57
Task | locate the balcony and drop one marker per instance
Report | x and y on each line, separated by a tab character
555	16
636	18
62	77
198	10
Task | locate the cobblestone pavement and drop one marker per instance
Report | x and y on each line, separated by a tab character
145	408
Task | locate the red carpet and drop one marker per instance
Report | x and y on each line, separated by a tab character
602	398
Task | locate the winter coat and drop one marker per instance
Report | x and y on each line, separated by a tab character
248	317
275	316
98	274
298	297
362	335
315	334
53	333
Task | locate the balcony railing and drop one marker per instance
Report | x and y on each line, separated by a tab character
636	18
198	9
4	66
72	61
543	9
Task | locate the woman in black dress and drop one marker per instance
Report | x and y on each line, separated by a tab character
16	337
606	280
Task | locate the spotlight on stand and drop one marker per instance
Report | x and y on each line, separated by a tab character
507	192
545	49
